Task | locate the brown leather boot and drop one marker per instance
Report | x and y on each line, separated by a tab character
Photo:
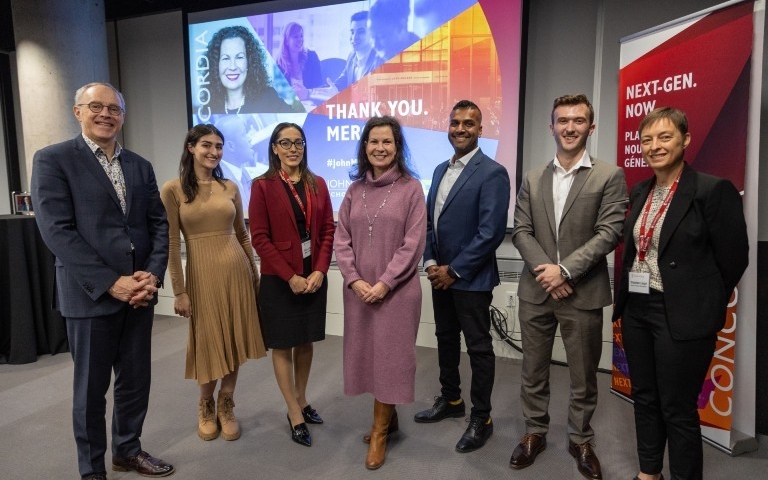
207	428
377	449
230	427
393	427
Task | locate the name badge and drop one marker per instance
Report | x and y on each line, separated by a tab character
639	282
306	248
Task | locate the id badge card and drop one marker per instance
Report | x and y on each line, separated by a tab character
639	282
306	248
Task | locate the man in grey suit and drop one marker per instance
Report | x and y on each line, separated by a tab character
466	222
568	217
99	211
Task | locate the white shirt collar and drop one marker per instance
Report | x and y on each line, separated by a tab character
465	159
585	161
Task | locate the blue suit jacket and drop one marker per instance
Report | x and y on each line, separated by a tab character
472	223
80	219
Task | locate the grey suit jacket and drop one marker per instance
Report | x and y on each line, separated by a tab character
590	228
80	220
347	76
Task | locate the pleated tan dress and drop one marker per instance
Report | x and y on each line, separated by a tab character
221	278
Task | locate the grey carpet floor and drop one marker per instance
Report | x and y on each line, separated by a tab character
36	437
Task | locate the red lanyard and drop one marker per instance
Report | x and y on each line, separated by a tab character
306	211
644	241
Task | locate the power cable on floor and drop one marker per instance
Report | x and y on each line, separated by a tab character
499	323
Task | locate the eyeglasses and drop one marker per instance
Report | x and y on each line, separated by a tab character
97	107
286	144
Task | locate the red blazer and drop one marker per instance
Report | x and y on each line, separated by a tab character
275	235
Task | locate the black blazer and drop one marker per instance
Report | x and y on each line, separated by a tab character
703	252
81	221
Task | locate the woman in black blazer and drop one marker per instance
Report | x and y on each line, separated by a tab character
685	250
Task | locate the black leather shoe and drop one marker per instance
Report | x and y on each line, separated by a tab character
661	477
300	433
526	451
586	460
96	476
477	433
441	410
310	415
144	464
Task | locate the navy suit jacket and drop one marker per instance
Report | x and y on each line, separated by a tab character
703	251
81	222
472	223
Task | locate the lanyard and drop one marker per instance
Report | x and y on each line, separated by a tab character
644	241
306	211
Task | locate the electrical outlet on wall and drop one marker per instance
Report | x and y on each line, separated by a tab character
511	298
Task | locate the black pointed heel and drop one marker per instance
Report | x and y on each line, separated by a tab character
300	433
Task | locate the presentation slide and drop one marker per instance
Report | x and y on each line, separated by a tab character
330	66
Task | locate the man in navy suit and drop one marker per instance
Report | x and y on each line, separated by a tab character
466	221
99	211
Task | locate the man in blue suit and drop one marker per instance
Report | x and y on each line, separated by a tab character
99	211
466	221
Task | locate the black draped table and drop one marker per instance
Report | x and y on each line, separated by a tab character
29	326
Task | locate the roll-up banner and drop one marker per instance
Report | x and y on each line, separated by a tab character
704	64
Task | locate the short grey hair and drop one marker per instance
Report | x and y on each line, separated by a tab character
80	91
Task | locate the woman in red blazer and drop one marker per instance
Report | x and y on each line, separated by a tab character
685	249
291	223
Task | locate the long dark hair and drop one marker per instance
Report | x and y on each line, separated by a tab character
274	160
402	155
256	80
187	163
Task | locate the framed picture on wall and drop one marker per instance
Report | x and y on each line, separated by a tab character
22	203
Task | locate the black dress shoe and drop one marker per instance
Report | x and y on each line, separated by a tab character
477	433
300	433
586	460
96	476
661	477
144	464
526	451
310	415
441	410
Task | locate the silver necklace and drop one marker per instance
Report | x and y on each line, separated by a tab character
365	207
226	110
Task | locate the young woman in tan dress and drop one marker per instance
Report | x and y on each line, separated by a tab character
219	292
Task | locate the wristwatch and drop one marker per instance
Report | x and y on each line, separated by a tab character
452	273
158	284
564	273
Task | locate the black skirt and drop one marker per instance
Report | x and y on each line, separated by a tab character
289	320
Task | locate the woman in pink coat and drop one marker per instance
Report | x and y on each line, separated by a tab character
379	243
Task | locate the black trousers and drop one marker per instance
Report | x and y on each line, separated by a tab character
99	345
458	311
667	376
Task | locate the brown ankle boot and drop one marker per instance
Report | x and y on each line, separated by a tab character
393	427
207	428
377	449
230	427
